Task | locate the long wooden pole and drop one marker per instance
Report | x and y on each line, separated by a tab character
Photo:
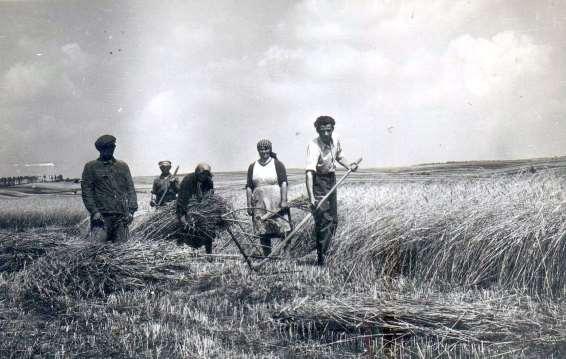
240	248
304	221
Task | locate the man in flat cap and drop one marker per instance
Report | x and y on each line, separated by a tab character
195	186
323	153
108	193
165	187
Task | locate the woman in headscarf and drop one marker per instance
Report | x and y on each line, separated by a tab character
266	191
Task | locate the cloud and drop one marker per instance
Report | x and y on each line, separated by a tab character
49	77
454	79
26	80
74	57
492	66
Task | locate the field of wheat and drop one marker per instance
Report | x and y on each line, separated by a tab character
445	266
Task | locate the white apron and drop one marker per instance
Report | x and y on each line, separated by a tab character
267	196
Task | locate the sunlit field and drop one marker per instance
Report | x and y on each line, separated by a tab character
453	264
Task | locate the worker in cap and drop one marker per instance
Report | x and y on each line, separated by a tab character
165	186
108	193
195	186
266	193
105	141
323	153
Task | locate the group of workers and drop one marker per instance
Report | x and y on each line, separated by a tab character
109	196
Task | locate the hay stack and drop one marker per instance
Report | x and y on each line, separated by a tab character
206	218
497	322
18	251
85	270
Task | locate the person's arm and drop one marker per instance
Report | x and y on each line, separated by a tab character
87	187
310	181
313	154
182	200
153	197
250	188
131	192
249	194
282	180
209	186
284	203
174	185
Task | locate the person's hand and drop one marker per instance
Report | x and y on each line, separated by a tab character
97	218
152	203
183	220
313	205
353	166
187	222
172	179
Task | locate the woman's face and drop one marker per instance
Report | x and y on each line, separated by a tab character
264	153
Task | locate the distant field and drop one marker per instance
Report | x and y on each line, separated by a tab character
461	263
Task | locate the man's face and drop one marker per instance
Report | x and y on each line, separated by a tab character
165	168
203	176
325	132
107	152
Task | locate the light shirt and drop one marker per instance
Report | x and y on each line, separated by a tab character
322	158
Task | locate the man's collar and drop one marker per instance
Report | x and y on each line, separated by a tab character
111	160
322	144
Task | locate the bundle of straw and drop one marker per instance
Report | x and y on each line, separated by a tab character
302	202
397	314
508	232
205	219
18	251
84	270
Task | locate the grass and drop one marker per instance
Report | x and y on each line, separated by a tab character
18	214
442	268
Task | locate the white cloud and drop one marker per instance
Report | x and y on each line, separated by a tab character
75	57
25	80
46	77
491	66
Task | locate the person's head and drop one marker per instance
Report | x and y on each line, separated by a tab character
106	144
164	166
325	126
264	149
203	172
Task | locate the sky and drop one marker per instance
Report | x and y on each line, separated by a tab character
407	81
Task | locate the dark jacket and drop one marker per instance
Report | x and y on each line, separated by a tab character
188	190
279	168
162	184
108	188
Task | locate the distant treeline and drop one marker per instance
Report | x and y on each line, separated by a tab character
18	180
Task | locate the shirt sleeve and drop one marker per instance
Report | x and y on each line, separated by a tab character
132	197
313	154
87	187
281	172
209	187
339	155
154	187
174	185
183	197
249	181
